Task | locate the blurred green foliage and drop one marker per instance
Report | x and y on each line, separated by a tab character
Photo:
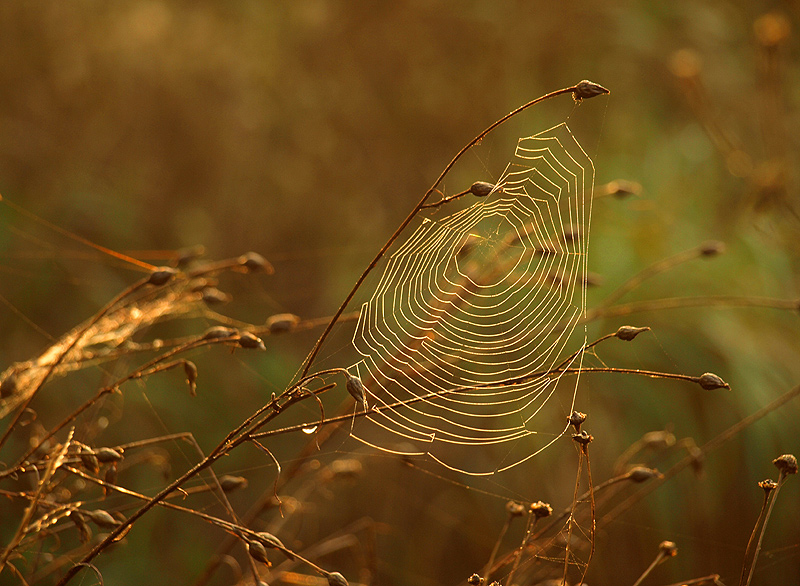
306	131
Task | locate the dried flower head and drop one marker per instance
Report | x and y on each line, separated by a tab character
161	276
250	340
515	509
258	552
540	509
475	580
628	333
710	381
768	485
230	483
668	548
254	262
336	579
712	248
356	388
576	420
787	464
583	438
642	474
281	323
588	89
481	188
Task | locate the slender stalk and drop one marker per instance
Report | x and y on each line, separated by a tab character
315	350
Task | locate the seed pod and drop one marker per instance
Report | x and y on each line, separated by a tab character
628	333
583	438
89	460
281	323
102	519
258	552
711	248
106	455
768	485
336	579
540	510
190	368
249	340
356	388
84	532
219	332
576	419
710	381
270	541
481	188
161	276
515	509
254	262
787	464
230	483
213	296
588	89
186	255
641	474
475	580
668	548
110	477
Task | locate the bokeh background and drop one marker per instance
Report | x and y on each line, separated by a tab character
306	131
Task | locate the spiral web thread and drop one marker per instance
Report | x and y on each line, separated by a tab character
472	306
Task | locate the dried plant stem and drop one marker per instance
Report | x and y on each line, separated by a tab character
649	272
680	302
749	560
709	446
496	548
315	350
752	567
662	555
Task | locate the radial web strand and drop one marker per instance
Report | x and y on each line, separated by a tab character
475	308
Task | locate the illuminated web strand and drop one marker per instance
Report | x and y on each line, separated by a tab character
489	294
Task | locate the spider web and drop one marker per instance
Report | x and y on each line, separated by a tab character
474	310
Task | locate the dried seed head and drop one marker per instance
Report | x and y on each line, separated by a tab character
249	340
658	440
768	485
336	579
540	510
772	29
190	368
787	464
102	519
161	276
110	477
642	474
186	255
253	262
89	459
475	580
582	438
281	323
345	468
621	188
576	419
9	385
712	248
258	552
515	509
105	455
668	548
230	483
481	188
628	333
269	540
710	381
588	89
213	296
356	388
215	332
84	532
